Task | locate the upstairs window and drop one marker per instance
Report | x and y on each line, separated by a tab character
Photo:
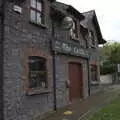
86	40
74	31
85	35
37	72
36	11
92	38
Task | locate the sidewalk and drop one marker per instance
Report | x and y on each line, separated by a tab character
82	109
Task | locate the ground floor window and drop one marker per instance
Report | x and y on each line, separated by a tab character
94	73
37	74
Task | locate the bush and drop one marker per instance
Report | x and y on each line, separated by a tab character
107	69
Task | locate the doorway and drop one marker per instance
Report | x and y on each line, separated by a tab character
76	81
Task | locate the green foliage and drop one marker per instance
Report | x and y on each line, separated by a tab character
107	70
110	112
109	57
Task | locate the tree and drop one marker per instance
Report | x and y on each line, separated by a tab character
109	57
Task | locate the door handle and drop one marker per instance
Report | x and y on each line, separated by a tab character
67	83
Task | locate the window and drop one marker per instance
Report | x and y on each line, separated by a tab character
84	34
94	73
36	11
37	72
92	38
86	40
74	31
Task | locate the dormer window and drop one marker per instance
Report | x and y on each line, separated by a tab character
92	38
74	31
36	11
86	40
85	36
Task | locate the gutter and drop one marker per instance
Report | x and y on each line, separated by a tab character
2	60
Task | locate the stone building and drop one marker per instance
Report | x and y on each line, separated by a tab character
95	38
30	34
71	56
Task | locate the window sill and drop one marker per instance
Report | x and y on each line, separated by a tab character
38	25
75	39
38	91
94	83
93	46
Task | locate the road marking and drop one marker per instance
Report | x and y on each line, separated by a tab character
82	116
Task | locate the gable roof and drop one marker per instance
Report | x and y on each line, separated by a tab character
91	15
58	10
75	12
65	9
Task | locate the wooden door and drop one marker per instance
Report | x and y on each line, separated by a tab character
76	83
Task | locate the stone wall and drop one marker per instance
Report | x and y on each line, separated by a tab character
106	79
1	71
94	51
20	34
63	75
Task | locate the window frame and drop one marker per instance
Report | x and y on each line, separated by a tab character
85	37
86	41
92	38
42	13
45	81
25	71
96	74
75	22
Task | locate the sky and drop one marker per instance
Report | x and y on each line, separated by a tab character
108	14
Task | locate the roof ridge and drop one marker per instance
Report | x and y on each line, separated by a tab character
89	11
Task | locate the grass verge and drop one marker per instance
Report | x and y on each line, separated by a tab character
110	112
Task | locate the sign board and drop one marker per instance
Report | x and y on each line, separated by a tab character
69	48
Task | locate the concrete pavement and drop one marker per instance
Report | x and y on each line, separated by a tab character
81	110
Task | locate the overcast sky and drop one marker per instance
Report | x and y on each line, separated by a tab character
108	14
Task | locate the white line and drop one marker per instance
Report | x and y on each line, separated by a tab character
84	115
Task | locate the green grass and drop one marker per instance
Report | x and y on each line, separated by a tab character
110	112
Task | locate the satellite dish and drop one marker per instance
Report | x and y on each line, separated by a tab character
67	23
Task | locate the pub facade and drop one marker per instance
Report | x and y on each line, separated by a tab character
43	66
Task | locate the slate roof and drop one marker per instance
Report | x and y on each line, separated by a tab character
65	9
91	16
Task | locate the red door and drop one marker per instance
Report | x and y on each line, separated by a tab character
76	83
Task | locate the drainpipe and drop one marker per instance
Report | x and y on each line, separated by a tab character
88	77
2	60
54	65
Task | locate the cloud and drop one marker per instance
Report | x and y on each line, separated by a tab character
107	13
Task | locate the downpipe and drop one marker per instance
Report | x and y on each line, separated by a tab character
54	67
88	77
2	15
